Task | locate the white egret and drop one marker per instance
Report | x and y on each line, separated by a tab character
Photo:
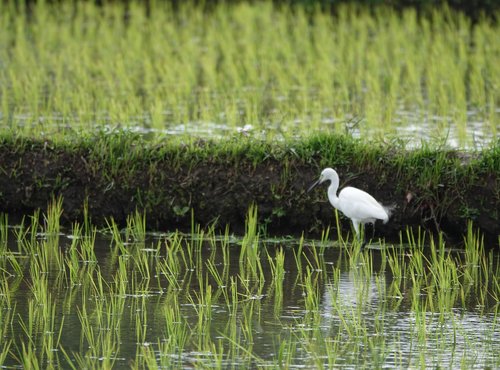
356	204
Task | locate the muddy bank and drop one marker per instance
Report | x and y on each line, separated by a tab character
432	189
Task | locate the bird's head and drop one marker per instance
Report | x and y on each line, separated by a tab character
326	174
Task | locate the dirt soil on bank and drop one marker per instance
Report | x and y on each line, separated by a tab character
221	193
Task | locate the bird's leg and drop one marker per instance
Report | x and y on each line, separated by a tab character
359	235
362	239
355	224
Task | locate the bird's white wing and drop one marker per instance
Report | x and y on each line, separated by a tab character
358	204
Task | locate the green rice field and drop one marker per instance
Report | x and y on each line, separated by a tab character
111	298
271	72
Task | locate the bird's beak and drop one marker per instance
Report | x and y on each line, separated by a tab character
313	185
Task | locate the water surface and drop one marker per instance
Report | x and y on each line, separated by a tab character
330	307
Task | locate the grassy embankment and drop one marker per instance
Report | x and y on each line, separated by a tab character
117	174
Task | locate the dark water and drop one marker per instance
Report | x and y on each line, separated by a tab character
338	308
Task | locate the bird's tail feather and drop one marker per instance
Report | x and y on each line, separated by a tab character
389	210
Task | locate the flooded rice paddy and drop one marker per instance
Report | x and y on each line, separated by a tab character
83	298
266	71
87	298
409	127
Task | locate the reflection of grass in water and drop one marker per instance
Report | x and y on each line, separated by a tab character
245	64
185	295
4	232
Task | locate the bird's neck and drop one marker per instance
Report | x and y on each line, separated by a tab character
332	192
